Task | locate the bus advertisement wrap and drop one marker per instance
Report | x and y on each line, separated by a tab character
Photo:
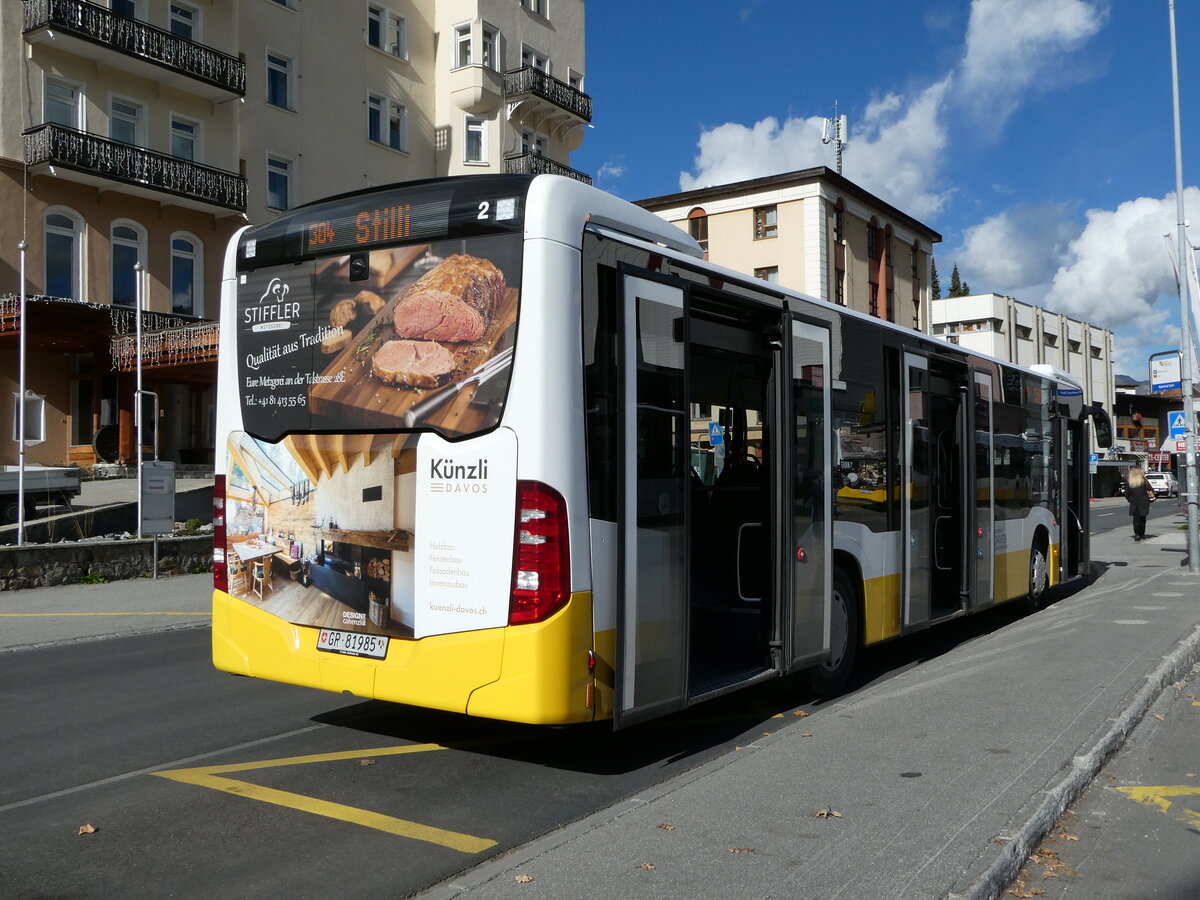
321	530
416	336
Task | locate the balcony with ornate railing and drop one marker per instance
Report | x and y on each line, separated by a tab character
97	160
135	46
547	104
536	164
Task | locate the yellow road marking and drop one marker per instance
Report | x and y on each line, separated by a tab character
211	777
207	612
1159	797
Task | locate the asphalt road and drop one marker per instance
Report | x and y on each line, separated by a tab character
200	784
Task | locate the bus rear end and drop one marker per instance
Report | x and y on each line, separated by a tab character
372	533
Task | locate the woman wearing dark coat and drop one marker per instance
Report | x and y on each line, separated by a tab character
1139	495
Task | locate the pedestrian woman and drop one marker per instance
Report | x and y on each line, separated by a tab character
1139	495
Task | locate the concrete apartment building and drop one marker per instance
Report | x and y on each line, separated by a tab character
146	132
1029	335
817	232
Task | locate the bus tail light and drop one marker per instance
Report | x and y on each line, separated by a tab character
220	568
542	559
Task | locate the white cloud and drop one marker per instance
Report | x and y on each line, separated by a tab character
1018	250
1116	269
1015	47
734	152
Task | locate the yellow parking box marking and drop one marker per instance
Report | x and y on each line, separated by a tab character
211	777
1161	797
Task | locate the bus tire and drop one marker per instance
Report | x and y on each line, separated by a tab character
1038	575
829	678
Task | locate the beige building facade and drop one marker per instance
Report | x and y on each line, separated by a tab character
140	135
1030	335
817	232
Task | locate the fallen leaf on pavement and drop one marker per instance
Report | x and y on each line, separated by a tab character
1160	718
827	813
647	866
806	734
800	713
1068	837
523	879
666	827
87	829
739	849
366	762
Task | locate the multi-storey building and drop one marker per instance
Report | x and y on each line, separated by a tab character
1030	335
139	135
814	231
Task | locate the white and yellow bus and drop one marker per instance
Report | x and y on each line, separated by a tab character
458	425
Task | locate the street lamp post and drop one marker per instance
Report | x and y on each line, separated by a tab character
1191	484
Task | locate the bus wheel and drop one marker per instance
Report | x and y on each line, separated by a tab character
829	678
1038	573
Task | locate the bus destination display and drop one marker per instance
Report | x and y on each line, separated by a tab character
367	225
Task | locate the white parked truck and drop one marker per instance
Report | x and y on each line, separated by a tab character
44	485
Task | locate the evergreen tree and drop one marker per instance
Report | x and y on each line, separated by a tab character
935	286
958	287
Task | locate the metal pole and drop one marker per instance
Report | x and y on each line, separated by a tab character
137	397
1191	484
21	248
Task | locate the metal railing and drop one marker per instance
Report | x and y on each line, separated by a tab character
528	80
58	145
102	26
176	346
536	164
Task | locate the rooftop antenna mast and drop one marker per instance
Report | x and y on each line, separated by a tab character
834	132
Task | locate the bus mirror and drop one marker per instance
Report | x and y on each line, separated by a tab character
1102	426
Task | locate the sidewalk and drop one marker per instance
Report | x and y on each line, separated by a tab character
934	783
36	617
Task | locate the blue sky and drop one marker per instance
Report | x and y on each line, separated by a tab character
1035	135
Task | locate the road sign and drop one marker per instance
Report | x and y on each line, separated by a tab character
1165	371
716	436
1176	424
1093	463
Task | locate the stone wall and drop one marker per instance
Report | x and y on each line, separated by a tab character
43	565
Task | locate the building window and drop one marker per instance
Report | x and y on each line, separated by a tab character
475	152
891	305
873	305
387	123
127	241
126	8
125	122
916	317
534	59
872	242
533	142
279	182
185	21
184	137
61	105
839	224
186	285
286	4
462	46
488	42
387	31
575	79
698	227
279	81
912	261
63	240
535	6
839	287
768	273
1073	346
765	223
35	417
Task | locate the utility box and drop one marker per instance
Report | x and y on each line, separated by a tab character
158	498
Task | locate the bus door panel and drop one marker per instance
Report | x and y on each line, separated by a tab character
916	512
982	539
1073	477
652	612
810	560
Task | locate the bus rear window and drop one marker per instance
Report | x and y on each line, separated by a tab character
411	337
